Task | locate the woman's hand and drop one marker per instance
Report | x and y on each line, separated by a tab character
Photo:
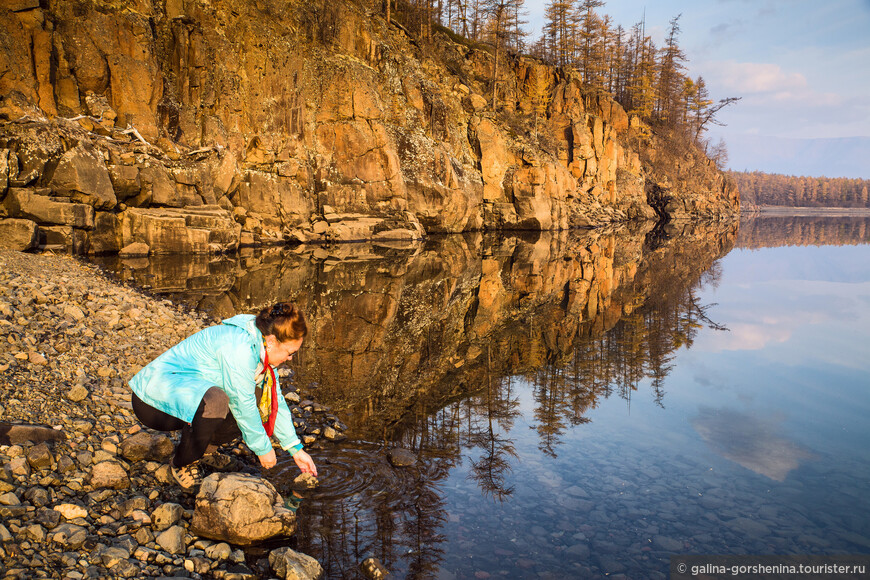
305	463
268	461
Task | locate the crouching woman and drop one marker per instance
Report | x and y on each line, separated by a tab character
221	382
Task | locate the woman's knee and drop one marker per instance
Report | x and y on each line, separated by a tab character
155	418
216	404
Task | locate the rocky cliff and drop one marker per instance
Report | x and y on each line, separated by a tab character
197	126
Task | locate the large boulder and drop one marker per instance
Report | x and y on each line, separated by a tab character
240	509
82	176
30	204
202	229
17	234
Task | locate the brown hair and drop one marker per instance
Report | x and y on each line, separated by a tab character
284	320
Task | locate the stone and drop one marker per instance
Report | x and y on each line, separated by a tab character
146	446
578	551
476	102
82	176
69	536
372	569
172	540
9	498
16	434
21	5
38	496
668	544
109	474
49	518
39	457
304	481
220	551
105	237
71	511
77	393
292	565
206	229
18	234
157	187
125	181
112	556
72	239
240	509
134	249
18	467
750	527
25	203
34	532
400	457
166	515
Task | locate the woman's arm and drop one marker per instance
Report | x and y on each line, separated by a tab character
238	365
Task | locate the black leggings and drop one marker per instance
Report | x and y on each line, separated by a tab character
213	424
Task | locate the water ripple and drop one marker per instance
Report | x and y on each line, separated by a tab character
363	472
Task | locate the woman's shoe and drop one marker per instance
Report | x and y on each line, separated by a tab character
188	476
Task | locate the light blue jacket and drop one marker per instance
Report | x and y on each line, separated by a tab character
225	356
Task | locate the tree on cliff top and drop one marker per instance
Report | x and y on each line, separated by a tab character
537	88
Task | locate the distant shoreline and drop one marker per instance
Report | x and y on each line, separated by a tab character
777	210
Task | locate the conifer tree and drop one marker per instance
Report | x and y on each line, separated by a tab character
590	39
558	27
537	89
670	75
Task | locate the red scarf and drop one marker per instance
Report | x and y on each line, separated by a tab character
270	383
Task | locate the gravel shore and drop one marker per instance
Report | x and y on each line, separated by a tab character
73	504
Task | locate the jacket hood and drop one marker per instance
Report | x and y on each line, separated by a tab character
246	322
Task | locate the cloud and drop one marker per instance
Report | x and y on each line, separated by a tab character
753	78
746	336
754	442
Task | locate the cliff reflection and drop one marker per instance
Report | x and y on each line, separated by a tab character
425	346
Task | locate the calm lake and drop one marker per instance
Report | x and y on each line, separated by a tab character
581	404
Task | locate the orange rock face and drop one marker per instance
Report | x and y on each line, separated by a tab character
278	113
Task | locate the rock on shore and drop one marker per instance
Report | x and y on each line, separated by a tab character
89	494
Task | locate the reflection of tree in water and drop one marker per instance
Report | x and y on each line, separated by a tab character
641	346
492	467
396	521
770	231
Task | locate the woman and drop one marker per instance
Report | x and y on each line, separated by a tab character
221	381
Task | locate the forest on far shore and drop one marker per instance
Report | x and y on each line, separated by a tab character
757	188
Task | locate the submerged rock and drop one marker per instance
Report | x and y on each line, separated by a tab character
291	565
372	569
402	457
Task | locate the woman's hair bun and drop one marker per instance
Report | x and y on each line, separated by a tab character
282	309
283	320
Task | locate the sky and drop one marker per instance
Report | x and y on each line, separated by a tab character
801	67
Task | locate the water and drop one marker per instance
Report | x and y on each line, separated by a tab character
581	405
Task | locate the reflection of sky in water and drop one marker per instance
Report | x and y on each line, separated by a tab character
761	447
806	356
751	441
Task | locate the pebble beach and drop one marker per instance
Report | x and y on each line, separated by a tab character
76	500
